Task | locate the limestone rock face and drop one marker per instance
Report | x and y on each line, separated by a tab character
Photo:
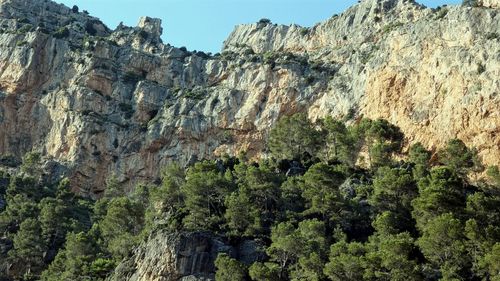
181	257
490	3
151	26
97	102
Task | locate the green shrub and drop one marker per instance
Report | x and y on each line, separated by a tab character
131	77
390	27
470	3
125	107
229	269
269	57
26	28
248	52
304	31
24	20
194	94
31	163
481	68
227	136
264	21
492	36
89	28
9	161
62	32
441	13
310	79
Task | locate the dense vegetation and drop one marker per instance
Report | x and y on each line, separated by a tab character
331	203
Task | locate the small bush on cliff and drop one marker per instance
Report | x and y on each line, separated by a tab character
26	28
442	12
89	28
269	57
494	175
132	77
264	21
9	161
470	3
31	163
61	33
459	157
390	27
492	36
304	31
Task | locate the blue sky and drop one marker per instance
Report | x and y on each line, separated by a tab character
204	24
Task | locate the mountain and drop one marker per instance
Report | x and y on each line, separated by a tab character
112	108
97	102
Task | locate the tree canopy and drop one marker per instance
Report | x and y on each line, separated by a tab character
317	211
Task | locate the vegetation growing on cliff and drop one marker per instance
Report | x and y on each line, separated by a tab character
332	202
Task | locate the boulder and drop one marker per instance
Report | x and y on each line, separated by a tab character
174	257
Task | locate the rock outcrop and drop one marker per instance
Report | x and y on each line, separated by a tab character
97	102
490	3
181	257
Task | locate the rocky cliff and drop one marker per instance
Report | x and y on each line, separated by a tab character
183	256
97	102
490	3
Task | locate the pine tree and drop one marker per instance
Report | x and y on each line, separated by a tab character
347	261
420	157
394	190
459	157
204	193
293	137
29	247
54	221
74	262
229	269
321	191
121	226
337	141
443	244
441	192
264	271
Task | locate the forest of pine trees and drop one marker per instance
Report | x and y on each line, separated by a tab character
330	202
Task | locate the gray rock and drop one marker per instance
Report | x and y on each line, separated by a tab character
489	3
5	245
179	256
250	251
350	186
151	25
119	102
